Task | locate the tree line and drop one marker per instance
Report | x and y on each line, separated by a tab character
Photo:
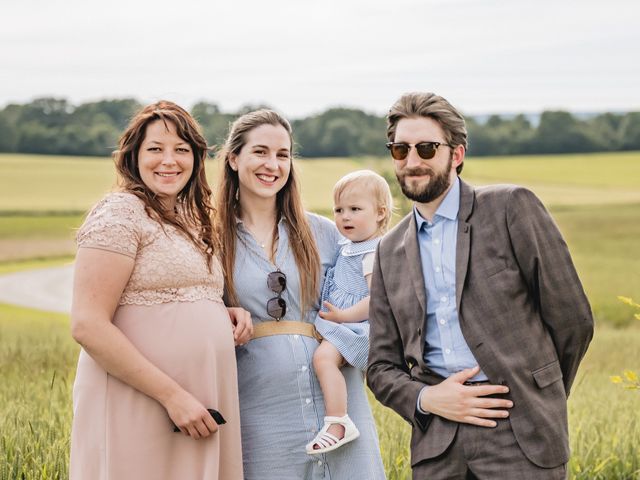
55	126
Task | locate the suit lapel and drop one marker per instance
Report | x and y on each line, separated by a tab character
463	243
414	263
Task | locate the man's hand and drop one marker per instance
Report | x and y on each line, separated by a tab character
241	324
461	403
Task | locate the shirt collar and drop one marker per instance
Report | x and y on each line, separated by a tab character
448	208
350	248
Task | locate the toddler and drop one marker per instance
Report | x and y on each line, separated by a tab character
362	211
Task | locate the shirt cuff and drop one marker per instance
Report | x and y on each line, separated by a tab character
418	409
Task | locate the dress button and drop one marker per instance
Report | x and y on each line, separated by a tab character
442	321
303	368
436	241
437	269
308	401
319	463
447	351
443	299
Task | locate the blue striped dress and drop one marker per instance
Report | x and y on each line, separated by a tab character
281	404
344	286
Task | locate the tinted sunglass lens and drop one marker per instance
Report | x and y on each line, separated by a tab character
399	151
426	150
277	307
277	282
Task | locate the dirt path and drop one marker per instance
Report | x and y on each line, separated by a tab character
21	248
45	289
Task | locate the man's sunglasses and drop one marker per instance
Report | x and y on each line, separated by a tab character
276	306
426	150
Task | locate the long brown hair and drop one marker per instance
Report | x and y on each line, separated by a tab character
288	205
195	197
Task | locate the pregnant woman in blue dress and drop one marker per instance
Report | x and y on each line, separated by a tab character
274	256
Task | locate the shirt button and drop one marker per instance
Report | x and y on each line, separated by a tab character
447	351
436	241
319	463
296	336
442	321
303	368
443	299
308	400
438	269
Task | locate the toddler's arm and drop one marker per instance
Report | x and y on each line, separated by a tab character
356	313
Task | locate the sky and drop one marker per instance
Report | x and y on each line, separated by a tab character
302	56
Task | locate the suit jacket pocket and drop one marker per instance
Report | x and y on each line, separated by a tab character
494	268
545	376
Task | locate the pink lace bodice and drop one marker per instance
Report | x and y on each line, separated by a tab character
168	266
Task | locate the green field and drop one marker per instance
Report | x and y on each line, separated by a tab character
35	425
594	198
52	184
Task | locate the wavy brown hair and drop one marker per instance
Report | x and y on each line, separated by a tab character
288	205
194	198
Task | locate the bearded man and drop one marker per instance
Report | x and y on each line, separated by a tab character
478	318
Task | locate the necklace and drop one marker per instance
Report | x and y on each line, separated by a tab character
262	242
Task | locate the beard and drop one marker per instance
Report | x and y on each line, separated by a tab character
436	186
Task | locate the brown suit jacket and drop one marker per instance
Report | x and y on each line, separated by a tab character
522	311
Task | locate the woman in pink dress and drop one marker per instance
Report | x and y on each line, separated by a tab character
157	341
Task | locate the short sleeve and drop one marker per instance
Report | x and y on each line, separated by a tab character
327	235
113	225
367	263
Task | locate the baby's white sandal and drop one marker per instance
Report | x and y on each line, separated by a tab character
328	442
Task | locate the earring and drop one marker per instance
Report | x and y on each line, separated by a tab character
237	195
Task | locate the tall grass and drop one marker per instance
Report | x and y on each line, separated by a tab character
36	372
37	364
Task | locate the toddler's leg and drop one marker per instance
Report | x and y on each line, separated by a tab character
327	361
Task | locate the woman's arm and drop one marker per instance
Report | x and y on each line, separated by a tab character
99	279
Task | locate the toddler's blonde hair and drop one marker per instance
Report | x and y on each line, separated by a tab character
369	182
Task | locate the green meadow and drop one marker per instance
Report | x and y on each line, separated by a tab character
594	198
37	366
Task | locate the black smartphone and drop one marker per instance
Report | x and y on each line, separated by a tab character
216	415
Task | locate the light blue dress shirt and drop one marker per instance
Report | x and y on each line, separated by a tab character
446	351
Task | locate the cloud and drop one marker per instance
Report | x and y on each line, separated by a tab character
303	56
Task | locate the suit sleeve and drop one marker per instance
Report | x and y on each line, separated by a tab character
544	260
387	374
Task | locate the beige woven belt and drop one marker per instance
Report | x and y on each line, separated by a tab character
285	327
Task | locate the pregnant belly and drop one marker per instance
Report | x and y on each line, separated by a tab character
179	338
